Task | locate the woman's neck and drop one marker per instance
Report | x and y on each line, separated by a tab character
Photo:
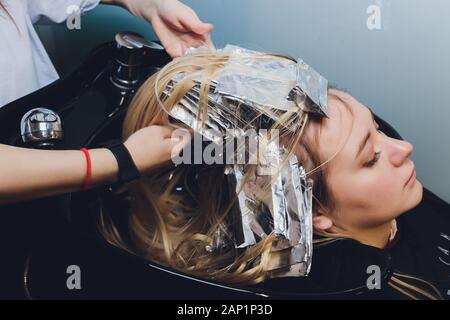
377	237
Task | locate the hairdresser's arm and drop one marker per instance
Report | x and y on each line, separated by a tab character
176	25
29	173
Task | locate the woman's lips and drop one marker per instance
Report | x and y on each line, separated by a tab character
412	177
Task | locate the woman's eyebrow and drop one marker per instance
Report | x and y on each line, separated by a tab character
366	138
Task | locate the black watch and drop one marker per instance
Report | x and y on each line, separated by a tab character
127	168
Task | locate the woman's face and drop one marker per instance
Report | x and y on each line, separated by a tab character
369	187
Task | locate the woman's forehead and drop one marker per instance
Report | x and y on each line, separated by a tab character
344	126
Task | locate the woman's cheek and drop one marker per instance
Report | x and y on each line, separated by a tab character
374	191
381	187
364	190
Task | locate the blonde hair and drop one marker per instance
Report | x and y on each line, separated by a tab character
174	228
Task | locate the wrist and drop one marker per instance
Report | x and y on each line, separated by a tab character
105	169
127	169
131	152
145	10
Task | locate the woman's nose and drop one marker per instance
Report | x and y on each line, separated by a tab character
399	151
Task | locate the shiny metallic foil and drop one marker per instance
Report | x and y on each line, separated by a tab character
253	85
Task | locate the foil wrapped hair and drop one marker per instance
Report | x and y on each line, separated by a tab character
254	85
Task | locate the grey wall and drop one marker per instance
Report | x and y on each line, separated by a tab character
402	70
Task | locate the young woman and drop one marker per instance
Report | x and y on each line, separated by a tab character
364	182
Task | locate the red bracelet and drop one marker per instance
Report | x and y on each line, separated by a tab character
88	178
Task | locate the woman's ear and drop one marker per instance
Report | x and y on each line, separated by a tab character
322	222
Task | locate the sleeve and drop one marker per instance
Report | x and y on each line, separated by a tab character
41	11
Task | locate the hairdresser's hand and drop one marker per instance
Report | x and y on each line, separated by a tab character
156	145
176	25
31	173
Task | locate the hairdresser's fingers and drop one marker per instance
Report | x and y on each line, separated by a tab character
165	131
178	139
191	23
187	40
175	41
168	132
182	18
184	48
194	40
169	38
208	42
176	148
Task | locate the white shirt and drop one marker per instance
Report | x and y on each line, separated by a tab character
24	64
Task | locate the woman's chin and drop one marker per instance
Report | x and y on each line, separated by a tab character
415	194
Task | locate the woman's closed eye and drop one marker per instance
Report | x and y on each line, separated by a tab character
374	160
377	154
